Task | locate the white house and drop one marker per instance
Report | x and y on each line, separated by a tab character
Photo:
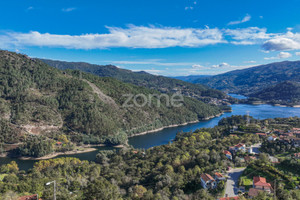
207	181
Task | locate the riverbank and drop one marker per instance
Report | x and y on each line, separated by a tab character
174	125
53	155
81	149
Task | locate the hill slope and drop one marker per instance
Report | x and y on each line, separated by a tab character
253	79
283	93
160	83
41	101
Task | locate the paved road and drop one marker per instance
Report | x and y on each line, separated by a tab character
232	182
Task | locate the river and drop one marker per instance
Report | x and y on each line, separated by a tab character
165	136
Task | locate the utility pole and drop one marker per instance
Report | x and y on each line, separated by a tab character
275	189
54	188
248	118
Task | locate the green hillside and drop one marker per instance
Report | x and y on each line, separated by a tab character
283	93
38	101
160	83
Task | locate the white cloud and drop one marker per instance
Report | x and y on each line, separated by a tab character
281	55
197	66
250	61
30	8
131	37
297	53
156	62
155	37
245	19
68	9
224	64
189	8
248	36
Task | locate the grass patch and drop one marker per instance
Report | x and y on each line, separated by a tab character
2	176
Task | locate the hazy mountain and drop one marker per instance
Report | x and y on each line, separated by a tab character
190	78
284	93
254	79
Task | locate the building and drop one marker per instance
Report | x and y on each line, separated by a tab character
272	138
30	197
219	177
261	184
250	150
297	155
228	155
240	147
207	181
261	134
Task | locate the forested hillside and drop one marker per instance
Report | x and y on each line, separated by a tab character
45	103
160	83
283	93
254	79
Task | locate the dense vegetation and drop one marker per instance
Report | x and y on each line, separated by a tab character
165	172
38	100
254	79
170	171
160	83
283	93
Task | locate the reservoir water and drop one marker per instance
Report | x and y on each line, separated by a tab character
168	134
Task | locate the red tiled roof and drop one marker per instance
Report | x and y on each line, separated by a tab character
30	197
219	175
260	181
297	155
262	134
207	177
227	152
239	145
229	198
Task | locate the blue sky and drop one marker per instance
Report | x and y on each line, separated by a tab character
167	37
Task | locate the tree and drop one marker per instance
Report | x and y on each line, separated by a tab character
101	189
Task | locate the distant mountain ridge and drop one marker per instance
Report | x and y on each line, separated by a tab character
254	79
190	78
160	83
286	92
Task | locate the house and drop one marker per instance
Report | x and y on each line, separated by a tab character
233	129
272	138
240	147
297	155
261	183
261	134
296	142
207	181
58	143
219	177
30	197
228	155
250	150
273	159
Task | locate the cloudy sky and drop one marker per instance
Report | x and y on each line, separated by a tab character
166	37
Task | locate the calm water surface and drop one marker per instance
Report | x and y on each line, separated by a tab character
168	134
